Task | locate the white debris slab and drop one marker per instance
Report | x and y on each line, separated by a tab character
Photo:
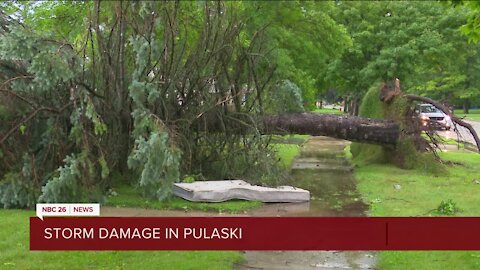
219	191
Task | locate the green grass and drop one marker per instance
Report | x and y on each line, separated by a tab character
286	153
15	254
130	197
450	141
287	147
445	141
472	115
328	111
420	194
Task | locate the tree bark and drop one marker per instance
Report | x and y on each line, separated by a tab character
465	106
356	106
345	127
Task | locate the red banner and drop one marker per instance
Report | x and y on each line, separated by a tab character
254	233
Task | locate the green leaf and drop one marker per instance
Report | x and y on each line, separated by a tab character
22	129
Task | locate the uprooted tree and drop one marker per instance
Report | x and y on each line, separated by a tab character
155	92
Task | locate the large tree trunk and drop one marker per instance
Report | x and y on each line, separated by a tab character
346	127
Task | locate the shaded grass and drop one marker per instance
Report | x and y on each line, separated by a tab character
420	194
15	254
128	196
289	139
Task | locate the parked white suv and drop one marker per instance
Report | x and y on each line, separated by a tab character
430	115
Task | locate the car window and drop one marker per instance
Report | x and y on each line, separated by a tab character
428	109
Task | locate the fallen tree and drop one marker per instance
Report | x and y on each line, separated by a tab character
347	127
71	115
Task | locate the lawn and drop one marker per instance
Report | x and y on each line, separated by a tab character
287	148
420	194
472	115
15	254
286	153
127	196
328	111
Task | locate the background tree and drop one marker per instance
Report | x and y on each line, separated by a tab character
420	44
303	37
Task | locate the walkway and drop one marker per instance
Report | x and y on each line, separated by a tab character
323	169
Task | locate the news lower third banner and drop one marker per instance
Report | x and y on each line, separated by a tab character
254	233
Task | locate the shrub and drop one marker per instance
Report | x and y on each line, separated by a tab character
447	208
16	191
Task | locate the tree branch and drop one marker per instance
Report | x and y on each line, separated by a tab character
447	111
9	92
30	117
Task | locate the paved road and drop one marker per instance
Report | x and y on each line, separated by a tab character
464	134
